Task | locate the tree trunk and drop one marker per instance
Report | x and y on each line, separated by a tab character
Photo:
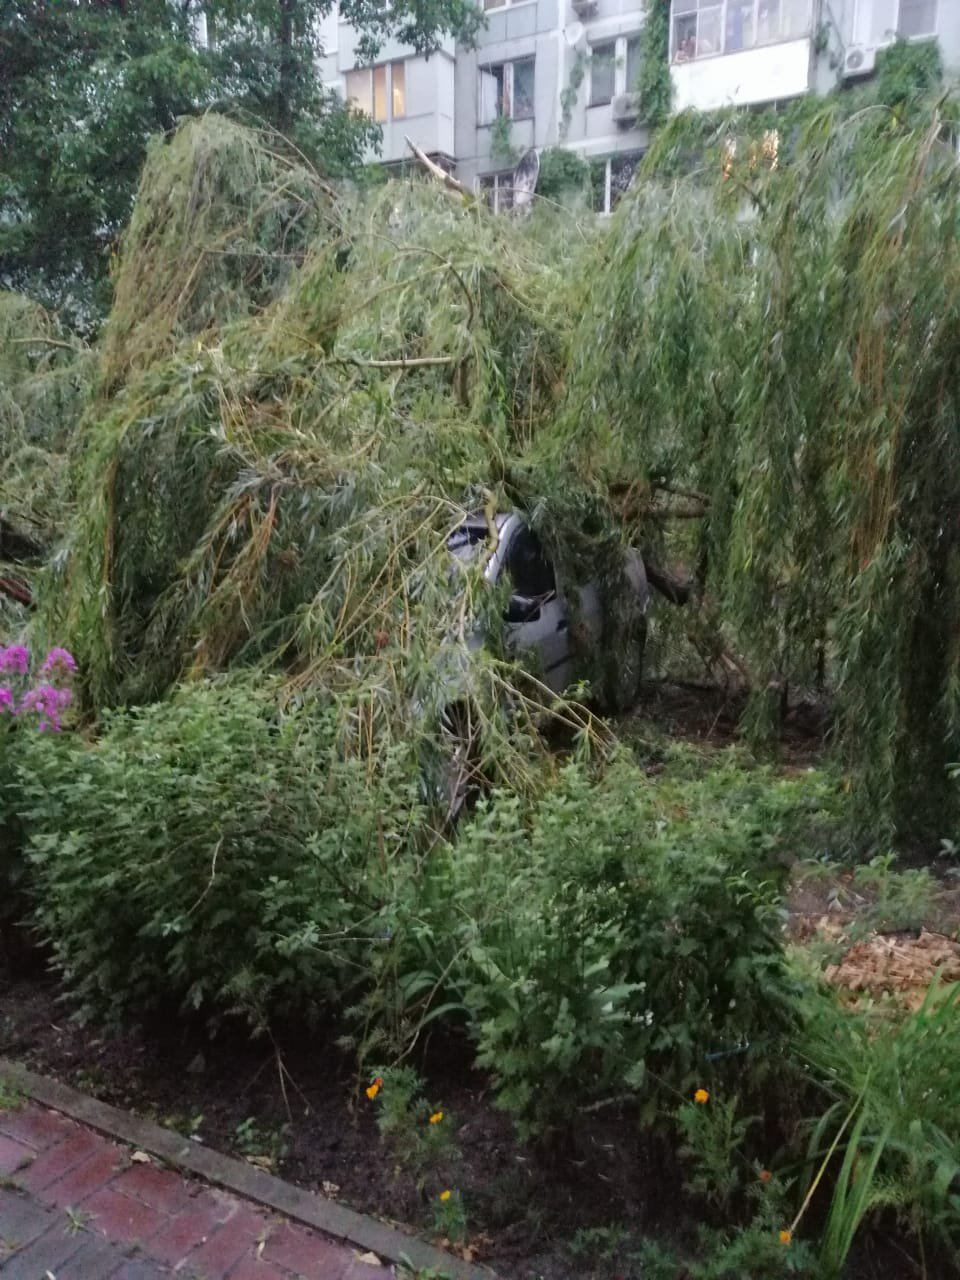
287	66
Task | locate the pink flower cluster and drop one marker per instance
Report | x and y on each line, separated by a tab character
42	703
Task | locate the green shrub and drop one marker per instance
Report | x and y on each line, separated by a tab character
563	174
901	1075
621	937
417	1133
219	851
34	698
713	1134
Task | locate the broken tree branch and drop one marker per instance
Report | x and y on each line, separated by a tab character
403	362
673	588
694	494
439	173
17	590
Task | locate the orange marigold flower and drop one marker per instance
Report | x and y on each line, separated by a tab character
786	1237
445	1196
436	1117
765	1175
374	1089
701	1097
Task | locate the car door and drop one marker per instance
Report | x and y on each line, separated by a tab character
536	619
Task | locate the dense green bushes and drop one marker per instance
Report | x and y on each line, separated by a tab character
604	939
617	934
612	938
215	850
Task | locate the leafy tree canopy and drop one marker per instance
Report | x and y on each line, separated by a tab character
85	83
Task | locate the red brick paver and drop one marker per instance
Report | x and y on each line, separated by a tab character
305	1254
59	1159
154	1186
89	1176
234	1240
35	1126
139	1221
13	1155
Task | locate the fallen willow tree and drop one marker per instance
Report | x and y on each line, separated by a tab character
776	349
287	427
752	373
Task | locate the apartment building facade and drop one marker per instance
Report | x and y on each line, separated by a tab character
549	73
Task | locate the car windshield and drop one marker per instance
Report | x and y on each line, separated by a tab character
466	541
528	568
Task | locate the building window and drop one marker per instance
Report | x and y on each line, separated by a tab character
379	92
497	189
633	63
700	28
603	72
917	18
610	179
499	4
398	90
614	68
506	89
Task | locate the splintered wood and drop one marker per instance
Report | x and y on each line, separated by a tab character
895	965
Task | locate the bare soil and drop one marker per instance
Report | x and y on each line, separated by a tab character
316	1128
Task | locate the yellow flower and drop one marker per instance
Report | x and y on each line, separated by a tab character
436	1117
786	1237
374	1089
445	1196
701	1097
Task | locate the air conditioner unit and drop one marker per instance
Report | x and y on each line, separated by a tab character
859	60
625	108
584	8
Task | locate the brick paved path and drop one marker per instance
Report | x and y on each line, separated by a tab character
75	1206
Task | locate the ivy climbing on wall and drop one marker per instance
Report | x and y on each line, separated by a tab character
653	81
569	94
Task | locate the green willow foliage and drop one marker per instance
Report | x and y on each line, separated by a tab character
782	345
298	392
299	395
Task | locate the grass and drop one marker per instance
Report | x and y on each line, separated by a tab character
10	1096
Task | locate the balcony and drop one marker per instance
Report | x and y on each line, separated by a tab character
739	52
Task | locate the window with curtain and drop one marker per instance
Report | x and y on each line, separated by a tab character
603	71
633	64
398	90
701	28
380	92
506	89
360	90
522	89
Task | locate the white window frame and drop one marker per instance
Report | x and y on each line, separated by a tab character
509	95
864	33
504	4
608	162
388	81
603	102
619	67
495	184
712	7
920	35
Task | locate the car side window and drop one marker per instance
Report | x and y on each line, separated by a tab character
528	568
